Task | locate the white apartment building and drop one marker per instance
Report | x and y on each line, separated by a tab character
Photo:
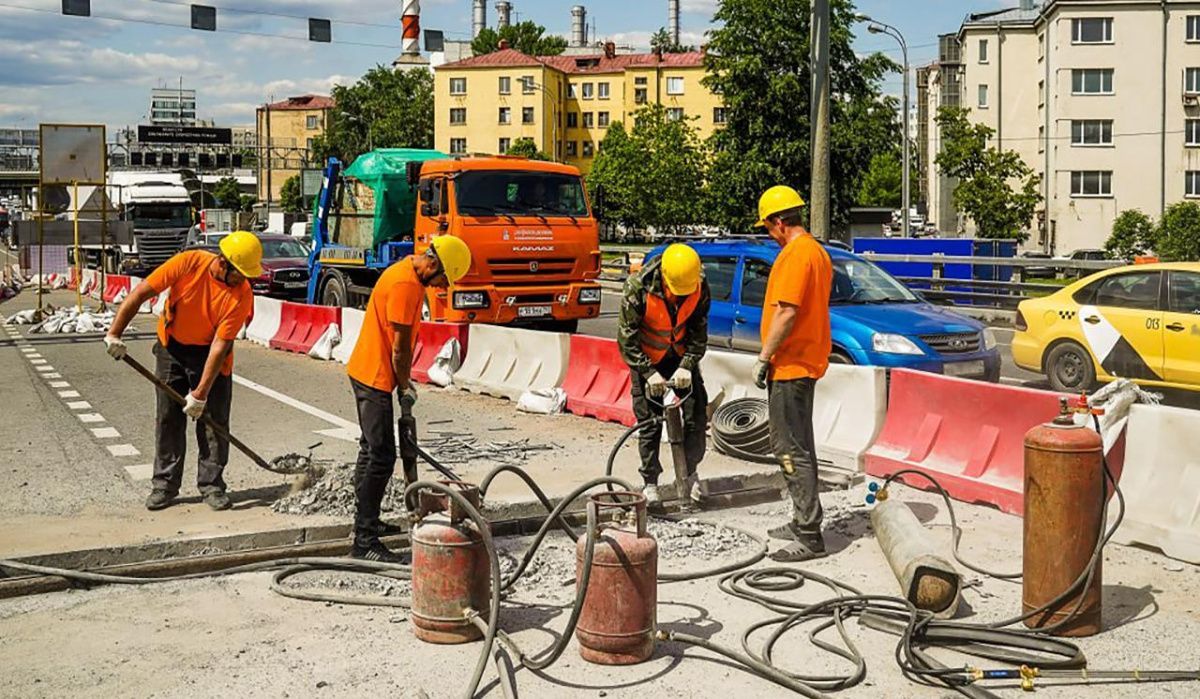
1100	97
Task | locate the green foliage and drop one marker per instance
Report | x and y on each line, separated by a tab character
248	201
290	198
385	109
1132	235
661	41
985	192
527	37
526	148
883	182
1177	238
758	60
668	195
227	194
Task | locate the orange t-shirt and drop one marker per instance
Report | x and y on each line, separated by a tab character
396	298
801	276
199	308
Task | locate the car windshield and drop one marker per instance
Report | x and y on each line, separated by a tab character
162	216
859	281
283	248
519	193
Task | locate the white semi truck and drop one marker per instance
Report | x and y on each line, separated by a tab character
162	211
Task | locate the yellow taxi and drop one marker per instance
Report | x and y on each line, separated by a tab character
1140	322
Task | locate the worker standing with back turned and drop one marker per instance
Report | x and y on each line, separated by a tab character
208	303
662	332
381	364
795	354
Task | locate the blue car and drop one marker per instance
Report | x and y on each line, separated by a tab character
875	320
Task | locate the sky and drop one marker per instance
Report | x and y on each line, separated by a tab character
101	69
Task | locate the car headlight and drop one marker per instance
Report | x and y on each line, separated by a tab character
590	295
470	299
989	339
894	344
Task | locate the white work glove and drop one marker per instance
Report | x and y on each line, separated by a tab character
195	407
115	347
681	379
762	369
656	385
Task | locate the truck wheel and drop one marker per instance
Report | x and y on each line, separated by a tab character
334	293
1070	369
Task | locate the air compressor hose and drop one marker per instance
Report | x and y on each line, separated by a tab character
741	429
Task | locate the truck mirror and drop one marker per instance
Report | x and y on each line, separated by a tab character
412	172
598	202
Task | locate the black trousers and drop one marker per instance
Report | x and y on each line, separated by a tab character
695	421
180	367
376	459
790	408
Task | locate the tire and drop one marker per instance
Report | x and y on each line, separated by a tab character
334	293
838	357
1070	369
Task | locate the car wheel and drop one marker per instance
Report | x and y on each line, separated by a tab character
334	293
1070	369
840	358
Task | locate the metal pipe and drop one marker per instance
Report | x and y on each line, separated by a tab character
926	579
820	204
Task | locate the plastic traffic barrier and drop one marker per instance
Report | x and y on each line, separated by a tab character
731	372
969	435
158	303
352	320
430	340
301	326
597	381
1161	481
849	408
265	324
116	287
506	362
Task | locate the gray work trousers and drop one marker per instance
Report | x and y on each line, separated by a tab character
695	422
180	367
790	409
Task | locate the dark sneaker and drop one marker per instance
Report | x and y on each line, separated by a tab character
378	553
387	529
159	499
218	500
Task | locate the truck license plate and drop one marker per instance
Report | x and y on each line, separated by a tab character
972	368
533	311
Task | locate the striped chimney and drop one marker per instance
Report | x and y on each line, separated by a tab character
410	20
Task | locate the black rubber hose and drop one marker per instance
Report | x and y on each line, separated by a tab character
741	429
346	564
612	454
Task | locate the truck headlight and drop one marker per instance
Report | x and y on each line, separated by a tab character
894	344
590	295
989	339
470	299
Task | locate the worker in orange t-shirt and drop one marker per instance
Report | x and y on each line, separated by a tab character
381	364
795	353
209	301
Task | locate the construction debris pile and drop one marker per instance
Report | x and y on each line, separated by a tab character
332	493
454	448
693	539
63	320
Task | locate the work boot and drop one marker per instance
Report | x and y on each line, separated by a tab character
159	500
218	500
377	552
650	492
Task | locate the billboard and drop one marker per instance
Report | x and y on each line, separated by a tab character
185	134
72	153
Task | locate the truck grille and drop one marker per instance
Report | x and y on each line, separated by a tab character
156	248
524	269
290	275
955	343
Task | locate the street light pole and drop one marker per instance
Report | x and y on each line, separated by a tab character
877	27
553	113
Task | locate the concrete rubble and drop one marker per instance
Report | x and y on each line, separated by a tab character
64	320
332	493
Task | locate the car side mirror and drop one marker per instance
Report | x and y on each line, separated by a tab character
412	173
425	191
598	202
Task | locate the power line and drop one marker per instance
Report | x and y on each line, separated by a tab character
268	13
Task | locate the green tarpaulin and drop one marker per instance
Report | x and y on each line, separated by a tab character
383	170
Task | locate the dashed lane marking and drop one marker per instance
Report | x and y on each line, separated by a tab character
140	472
52	375
68	394
91	417
38	361
105	433
59	384
79	405
122	450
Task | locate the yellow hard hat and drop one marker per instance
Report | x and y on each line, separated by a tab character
778	198
454	255
244	251
681	269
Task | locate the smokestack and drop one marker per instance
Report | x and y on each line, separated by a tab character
478	16
673	20
578	22
410	21
503	14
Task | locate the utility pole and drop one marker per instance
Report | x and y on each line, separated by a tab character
819	196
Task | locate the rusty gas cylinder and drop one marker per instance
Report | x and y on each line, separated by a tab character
617	623
1064	512
450	569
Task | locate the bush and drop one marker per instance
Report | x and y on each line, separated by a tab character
1177	238
1132	235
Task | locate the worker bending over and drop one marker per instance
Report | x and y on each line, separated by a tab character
795	353
208	303
663	334
380	364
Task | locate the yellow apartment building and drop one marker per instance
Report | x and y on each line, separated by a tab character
564	103
291	125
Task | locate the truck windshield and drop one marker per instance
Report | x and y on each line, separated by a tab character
161	215
859	281
519	193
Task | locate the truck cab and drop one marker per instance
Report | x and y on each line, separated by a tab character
162	212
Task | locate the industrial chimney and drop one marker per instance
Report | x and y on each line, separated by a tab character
503	14
578	26
478	16
673	20
410	22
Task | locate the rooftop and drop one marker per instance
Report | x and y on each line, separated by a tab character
303	102
1012	15
595	63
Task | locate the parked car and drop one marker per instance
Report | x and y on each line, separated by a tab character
1038	272
285	268
875	319
1140	322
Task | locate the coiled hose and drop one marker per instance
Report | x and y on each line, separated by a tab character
741	429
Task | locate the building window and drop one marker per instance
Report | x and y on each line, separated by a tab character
720	115
1191	132
639	95
458	115
983	50
588	90
1041	139
602	119
458	146
674	86
311	121
602	91
458	86
1091	183
587	120
1092	81
505	85
309	142
588	149
571	92
1092	30
504	144
526	115
572	120
639	81
1192	81
506	115
1191	180
675	114
983	96
1193	28
1091	132
527	84
572	149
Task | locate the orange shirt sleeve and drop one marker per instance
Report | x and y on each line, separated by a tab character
404	304
793	280
172	270
232	322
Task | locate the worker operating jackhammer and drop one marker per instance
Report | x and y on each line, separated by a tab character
381	364
795	354
208	303
663	333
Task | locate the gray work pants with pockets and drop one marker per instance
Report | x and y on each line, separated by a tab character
790	409
695	422
180	367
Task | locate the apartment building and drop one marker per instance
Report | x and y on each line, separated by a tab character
1101	98
289	127
564	103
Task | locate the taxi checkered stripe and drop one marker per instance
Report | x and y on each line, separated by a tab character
1066	315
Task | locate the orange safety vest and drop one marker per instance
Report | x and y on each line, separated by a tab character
658	334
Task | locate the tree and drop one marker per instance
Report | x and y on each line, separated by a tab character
527	37
385	109
1132	235
653	175
248	201
883	183
526	148
227	193
1177	238
758	61
290	198
987	175
662	41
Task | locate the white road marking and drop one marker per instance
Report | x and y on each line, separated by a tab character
91	417
47	367
141	472
52	375
79	405
68	394
38	361
105	432
122	450
59	384
30	351
346	427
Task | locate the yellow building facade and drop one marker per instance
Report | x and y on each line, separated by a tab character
291	127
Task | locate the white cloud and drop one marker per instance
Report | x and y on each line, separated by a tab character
641	39
704	7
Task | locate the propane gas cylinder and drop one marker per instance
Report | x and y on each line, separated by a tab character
1064	513
451	572
617	623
